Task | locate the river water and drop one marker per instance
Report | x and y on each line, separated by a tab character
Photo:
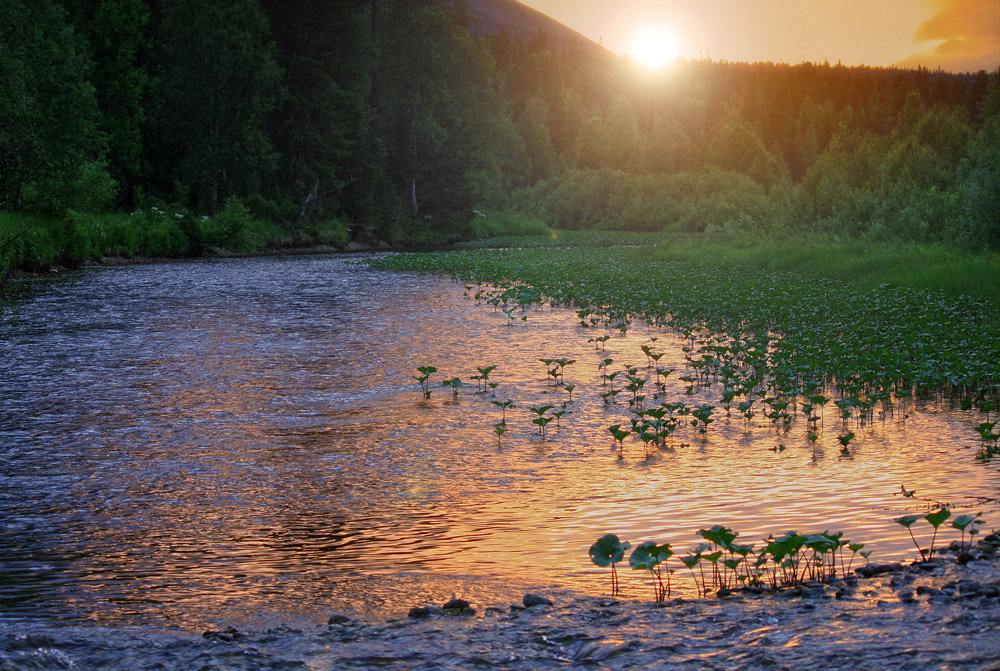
241	442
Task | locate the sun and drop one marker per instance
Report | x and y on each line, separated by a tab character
653	47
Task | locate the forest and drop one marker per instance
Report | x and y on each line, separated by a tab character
176	127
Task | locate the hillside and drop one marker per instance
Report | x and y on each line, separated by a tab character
492	16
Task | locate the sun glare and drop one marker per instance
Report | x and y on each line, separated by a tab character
653	48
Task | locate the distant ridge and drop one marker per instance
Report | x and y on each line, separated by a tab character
491	16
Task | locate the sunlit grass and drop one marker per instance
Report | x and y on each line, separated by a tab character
872	340
866	264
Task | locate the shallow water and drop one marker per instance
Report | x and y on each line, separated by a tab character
241	442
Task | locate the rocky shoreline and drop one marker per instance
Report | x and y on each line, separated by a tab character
937	615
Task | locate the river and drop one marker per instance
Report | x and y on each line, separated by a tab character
241	442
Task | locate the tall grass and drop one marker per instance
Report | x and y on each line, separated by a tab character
863	263
35	243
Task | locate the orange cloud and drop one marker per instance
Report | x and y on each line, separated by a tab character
967	33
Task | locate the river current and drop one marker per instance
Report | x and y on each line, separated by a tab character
241	442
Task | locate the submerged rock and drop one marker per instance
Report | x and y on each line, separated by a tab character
421	612
458	607
878	569
535	600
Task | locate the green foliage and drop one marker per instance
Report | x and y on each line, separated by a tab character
392	114
51	147
217	83
608	551
115	32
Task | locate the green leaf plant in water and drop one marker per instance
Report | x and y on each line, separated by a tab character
963	522
935	518
541	421
845	441
561	369
907	521
500	428
504	406
746	409
483	378
651	356
989	438
702	417
620	435
691	561
558	414
600	341
455	383
424	377
648	556
608	551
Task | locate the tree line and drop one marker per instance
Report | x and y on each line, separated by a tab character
399	115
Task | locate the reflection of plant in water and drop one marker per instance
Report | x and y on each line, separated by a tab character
608	551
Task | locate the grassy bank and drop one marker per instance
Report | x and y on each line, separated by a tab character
35	243
865	264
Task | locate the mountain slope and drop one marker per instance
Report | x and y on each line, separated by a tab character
492	16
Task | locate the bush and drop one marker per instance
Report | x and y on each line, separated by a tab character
494	224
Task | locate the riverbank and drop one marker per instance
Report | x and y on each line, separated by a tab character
942	615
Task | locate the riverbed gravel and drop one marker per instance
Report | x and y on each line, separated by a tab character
944	615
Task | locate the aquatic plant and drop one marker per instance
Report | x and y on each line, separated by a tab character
935	518
558	414
648	556
619	434
500	428
504	406
702	417
845	441
541	421
608	551
424	377
600	341
455	383
963	522
989	438
561	369
482	379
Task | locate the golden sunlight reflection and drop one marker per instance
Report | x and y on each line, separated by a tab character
238	457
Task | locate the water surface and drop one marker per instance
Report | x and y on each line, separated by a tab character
199	444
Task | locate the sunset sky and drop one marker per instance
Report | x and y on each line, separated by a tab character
955	35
